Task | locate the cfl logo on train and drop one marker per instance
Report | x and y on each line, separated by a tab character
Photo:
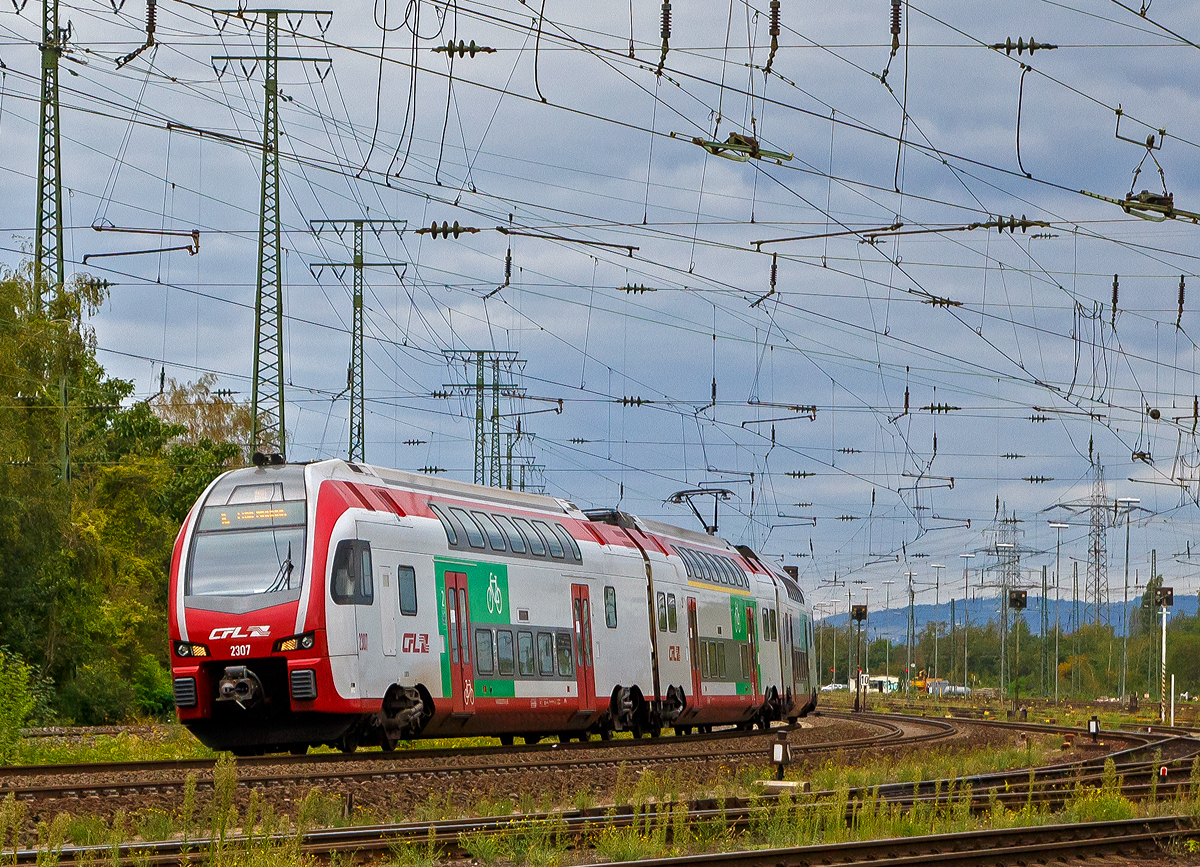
414	643
223	632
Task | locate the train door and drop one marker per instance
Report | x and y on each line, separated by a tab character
341	621
458	630
752	641
371	677
694	648
581	612
387	610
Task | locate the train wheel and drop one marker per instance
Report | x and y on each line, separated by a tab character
606	734
506	740
637	730
656	731
348	742
532	739
298	749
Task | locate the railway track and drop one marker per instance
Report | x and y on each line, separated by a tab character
106	780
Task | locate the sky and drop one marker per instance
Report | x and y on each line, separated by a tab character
877	413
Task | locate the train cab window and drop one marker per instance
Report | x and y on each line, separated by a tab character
451	533
555	546
545	648
568	541
525	661
483	651
515	542
504	652
610	607
474	533
494	536
565	662
351	582
536	547
406	582
672	617
774	626
662	612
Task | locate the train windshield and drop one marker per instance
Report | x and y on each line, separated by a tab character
243	550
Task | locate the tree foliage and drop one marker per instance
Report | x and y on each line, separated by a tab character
93	489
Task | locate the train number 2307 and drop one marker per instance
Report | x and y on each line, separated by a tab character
239	650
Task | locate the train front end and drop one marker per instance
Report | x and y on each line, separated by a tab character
244	666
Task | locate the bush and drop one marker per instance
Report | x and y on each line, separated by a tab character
17	701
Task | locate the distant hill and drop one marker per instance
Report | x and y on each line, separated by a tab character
894	622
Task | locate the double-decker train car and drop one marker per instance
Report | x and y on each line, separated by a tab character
345	604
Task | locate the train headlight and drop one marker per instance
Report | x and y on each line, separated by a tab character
187	649
304	641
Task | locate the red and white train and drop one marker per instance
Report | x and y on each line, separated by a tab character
345	604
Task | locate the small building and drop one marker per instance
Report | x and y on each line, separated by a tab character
883	683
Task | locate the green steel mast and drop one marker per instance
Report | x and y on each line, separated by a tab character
268	431
354	373
48	275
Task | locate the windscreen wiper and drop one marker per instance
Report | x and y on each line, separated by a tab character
283	579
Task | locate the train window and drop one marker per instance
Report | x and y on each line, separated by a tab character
545	650
515	542
745	648
587	632
711	573
494	536
525	663
406	581
721	659
766	627
569	542
672	617
452	623
687	563
555	546
504	652
463	624
474	534
451	533
774	626
610	607
351	580
565	663
536	547
731	571
704	658
483	651
723	573
662	612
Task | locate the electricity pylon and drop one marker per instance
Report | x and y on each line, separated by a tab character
501	363
268	433
354	373
48	275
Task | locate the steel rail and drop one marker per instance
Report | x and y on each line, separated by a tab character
389	771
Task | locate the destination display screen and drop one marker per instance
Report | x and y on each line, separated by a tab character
249	516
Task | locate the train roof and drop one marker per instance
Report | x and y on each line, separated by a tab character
350	471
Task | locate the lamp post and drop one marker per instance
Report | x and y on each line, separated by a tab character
1059	526
966	615
908	637
1128	504
887	592
937	602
